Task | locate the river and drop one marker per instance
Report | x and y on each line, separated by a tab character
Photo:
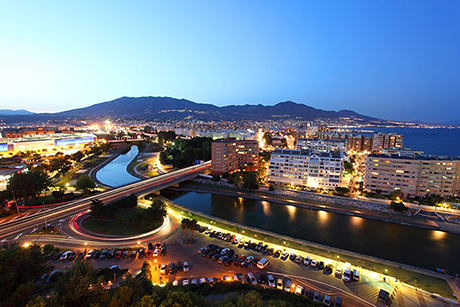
423	248
115	173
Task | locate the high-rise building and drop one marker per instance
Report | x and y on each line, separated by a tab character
230	155
309	168
413	174
382	140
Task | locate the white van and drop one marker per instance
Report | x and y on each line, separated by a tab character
262	264
347	272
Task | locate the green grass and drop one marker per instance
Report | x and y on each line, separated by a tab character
119	226
425	282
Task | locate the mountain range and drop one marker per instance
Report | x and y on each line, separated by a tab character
150	108
15	112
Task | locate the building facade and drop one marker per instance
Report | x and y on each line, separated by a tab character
230	155
413	174
308	168
322	144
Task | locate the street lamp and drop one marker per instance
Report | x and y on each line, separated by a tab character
338	257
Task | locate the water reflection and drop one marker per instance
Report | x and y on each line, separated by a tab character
323	217
266	208
291	211
415	246
115	173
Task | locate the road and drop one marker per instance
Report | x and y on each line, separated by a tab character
10	230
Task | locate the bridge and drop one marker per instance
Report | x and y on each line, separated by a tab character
12	228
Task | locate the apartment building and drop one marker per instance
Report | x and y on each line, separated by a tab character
322	144
231	155
383	140
303	167
413	174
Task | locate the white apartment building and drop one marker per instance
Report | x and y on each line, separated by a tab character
413	174
322	144
309	168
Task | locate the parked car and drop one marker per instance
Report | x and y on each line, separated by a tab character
148	253
73	255
202	280
163	269
126	254
327	300
287	285
171	267
277	254
185	282
97	254
298	259
284	255
328	269
103	254
163	252
306	260
133	253
252	279
299	290
292	256
111	254
279	284
321	265
338	271
179	266
316	297
313	263
118	254
89	255
65	255
271	281
141	253
186	267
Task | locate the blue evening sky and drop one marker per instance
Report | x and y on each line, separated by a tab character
388	59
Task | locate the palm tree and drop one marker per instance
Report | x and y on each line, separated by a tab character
185	227
192	226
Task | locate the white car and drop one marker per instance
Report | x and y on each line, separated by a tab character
156	252
89	255
271	281
185	282
175	283
235	277
299	290
186	267
224	251
65	255
338	271
306	260
203	280
284	255
313	263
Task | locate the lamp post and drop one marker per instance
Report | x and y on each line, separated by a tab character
15	202
337	263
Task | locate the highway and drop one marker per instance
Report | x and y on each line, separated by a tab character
11	229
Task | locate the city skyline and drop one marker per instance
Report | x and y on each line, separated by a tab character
394	61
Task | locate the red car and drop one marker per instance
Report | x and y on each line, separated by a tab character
118	255
149	253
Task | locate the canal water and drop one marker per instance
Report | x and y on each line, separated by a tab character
115	173
423	248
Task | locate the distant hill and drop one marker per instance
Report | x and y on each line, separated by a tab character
15	112
150	108
166	107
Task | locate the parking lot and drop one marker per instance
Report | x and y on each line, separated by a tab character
303	277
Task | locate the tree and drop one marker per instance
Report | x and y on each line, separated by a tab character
348	167
250	181
77	156
155	213
27	185
250	299
85	184
268	138
100	211
398	206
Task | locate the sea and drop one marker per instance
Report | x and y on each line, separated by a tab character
436	141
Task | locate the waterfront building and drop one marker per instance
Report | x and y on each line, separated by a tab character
231	155
412	173
304	167
322	144
359	143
